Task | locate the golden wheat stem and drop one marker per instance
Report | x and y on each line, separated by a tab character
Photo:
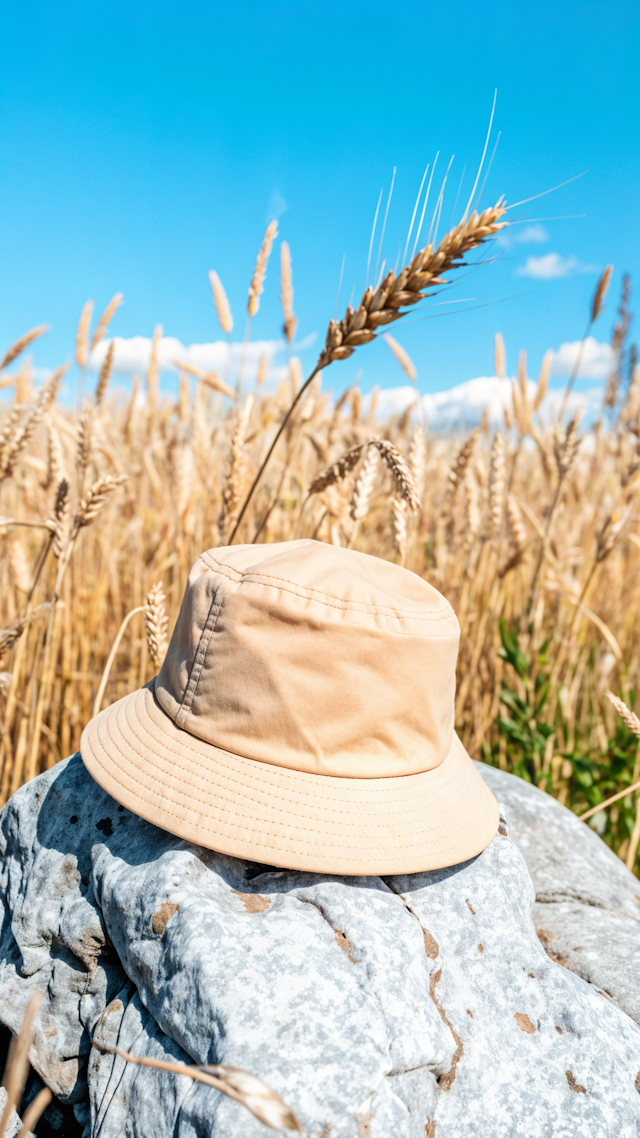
286	293
19	346
97	703
105	320
17	1066
265	461
249	1091
222	306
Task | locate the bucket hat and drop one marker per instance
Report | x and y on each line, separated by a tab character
303	718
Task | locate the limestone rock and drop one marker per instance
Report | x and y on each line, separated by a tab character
14	1124
379	1007
587	907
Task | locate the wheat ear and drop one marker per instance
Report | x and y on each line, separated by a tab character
82	334
600	294
286	293
399	508
12	446
543	379
105	373
222	306
238	469
566	449
402	356
96	497
20	345
55	456
382	306
500	359
19	569
17	1068
418	457
105	319
246	1089
364	486
463	458
497	478
257	280
156	623
152	369
58	524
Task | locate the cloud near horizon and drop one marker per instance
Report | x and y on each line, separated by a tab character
552	266
462	407
596	362
131	356
530	235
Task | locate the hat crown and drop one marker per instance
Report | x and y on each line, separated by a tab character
316	658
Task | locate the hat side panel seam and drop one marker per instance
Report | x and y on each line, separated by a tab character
308	593
201	651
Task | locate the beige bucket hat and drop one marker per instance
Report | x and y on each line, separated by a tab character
303	718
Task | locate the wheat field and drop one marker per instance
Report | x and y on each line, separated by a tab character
530	531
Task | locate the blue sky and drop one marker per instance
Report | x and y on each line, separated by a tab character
142	144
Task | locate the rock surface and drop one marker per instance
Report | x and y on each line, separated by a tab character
395	1008
587	907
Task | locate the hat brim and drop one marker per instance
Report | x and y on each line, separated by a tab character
282	817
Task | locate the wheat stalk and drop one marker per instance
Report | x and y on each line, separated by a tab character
402	356
210	378
222	306
600	294
543	379
382	306
500	359
418	457
156	623
399	507
105	373
459	466
566	449
19	569
55	456
338	470
497	482
16	1071
286	293
152	368
259	273
82	334
105	319
96	497
19	346
237	476
12	445
473	518
59	523
364	486
247	1089
517	527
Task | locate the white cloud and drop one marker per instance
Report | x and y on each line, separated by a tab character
462	407
277	206
530	235
131	355
596	361
552	266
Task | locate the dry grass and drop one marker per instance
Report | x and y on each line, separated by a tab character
530	532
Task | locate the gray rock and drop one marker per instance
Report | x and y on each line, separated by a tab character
14	1124
587	906
375	1007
